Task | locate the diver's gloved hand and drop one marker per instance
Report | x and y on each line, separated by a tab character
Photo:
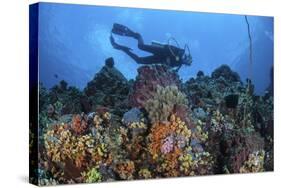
186	60
189	61
117	46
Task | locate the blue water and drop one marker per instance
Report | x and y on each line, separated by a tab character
74	41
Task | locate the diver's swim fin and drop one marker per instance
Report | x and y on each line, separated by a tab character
122	30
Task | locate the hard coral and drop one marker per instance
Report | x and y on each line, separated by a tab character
108	88
164	102
237	145
220	123
225	72
168	145
91	176
79	124
62	145
125	169
73	153
254	163
149	77
133	115
101	119
144	173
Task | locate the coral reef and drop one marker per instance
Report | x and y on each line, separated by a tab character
69	148
152	127
66	100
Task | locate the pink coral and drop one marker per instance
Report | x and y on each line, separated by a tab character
168	145
146	83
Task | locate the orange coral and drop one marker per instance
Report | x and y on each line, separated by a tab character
79	124
170	165
125	169
159	132
167	164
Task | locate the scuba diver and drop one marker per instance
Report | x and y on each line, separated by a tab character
166	54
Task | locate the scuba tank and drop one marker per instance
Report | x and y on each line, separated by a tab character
157	44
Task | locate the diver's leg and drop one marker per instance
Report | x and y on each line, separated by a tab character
125	31
148	48
118	46
145	47
142	60
135	57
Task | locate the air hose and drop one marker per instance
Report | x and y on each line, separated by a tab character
169	46
178	46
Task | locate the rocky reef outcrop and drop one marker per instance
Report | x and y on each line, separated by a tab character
108	88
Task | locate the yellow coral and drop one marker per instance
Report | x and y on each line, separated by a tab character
145	173
59	143
125	169
97	121
200	134
254	163
62	145
220	122
101	119
161	106
186	163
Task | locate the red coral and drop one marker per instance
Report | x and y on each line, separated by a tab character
237	146
183	112
100	110
79	124
146	83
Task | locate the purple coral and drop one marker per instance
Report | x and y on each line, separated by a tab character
168	145
133	115
149	77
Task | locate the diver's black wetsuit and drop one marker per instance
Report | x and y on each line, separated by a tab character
162	54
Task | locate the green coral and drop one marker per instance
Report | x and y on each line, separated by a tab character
92	176
220	122
161	106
